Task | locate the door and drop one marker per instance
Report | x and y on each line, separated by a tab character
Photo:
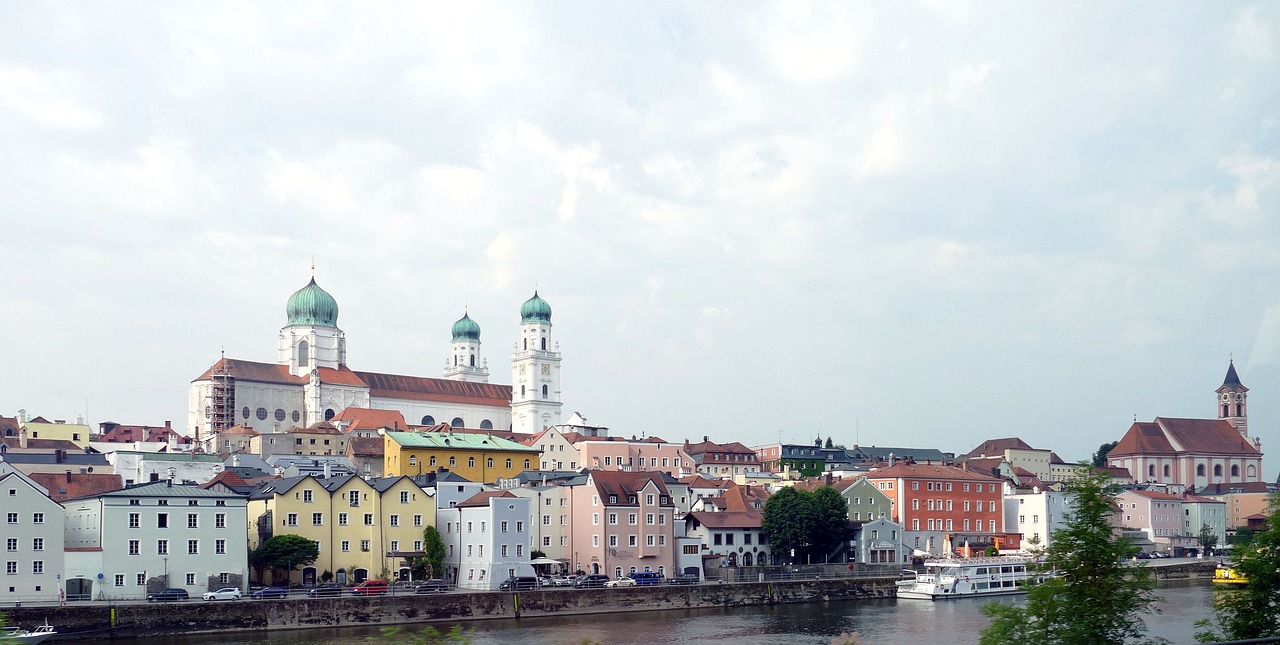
79	589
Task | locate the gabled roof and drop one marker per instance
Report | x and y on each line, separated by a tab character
929	471
1169	436
244	430
277	373
625	484
370	419
877	453
996	447
1237	487
726	519
482	498
150	434
435	389
164	489
456	441
64	486
1153	495
366	447
40	444
10	424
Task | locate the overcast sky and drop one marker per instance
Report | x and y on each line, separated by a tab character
911	225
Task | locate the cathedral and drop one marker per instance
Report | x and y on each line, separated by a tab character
1195	453
310	381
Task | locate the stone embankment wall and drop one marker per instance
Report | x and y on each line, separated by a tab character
135	620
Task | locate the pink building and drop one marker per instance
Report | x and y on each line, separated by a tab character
1157	514
632	455
622	522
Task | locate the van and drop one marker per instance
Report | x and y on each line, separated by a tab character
519	583
646	577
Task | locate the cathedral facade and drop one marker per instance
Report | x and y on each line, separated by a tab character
310	382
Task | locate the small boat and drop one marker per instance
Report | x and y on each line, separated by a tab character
38	635
1228	577
969	577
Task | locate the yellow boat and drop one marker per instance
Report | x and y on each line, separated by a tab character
1228	576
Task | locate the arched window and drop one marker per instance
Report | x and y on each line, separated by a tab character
1252	472
1166	470
1200	470
526	464
544	343
471	462
329	413
1226	410
455	361
473	360
544	391
488	463
304	354
428	420
432	462
1217	470
1151	470
457	422
8	432
521	390
526	346
486	424
508	463
1235	470
453	461
1239	409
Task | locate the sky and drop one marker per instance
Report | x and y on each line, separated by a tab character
893	224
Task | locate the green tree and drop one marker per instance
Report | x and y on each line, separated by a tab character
285	552
433	552
830	520
1252	612
1093	599
1100	457
787	517
1243	535
1208	539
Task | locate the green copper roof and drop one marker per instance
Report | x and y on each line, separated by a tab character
535	309
456	441
466	329
312	305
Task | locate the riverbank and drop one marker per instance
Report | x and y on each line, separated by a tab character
195	617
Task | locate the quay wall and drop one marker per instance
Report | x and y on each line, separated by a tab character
92	621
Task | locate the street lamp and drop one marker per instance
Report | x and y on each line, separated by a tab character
166	573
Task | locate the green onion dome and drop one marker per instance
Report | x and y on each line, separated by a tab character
535	309
312	305
466	329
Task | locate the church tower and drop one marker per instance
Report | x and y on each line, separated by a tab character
311	337
535	370
1233	401
465	364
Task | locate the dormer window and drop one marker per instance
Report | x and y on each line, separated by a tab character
613	499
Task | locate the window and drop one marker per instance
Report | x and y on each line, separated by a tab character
37	567
648	519
395	545
613	540
193	547
631	519
307	496
191	579
368	519
135	547
353	498
317	519
364	545
595	519
395	520
346	546
417	520
504	550
119	579
162	520
613	518
38	518
11	544
404	497
220	547
519	527
37	544
193	521
648	500
649	540
11	568
140	579
220	521
291	519
504	526
135	520
162	547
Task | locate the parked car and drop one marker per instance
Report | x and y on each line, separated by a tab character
370	588
646	577
591	580
690	579
546	581
519	583
431	586
226	593
563	581
326	589
621	582
269	592
168	595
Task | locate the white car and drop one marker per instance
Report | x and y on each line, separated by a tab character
621	582
226	593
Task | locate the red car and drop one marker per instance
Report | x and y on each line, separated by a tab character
370	588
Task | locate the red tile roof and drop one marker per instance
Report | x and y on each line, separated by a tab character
366	447
370	419
1169	436
482	498
727	519
130	434
996	447
928	471
41	444
64	486
625	484
1156	495
227	477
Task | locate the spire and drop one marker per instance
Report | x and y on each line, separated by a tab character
1232	379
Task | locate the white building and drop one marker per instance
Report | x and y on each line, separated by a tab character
1199	512
127	543
494	540
33	557
310	381
449	493
549	528
144	467
1036	515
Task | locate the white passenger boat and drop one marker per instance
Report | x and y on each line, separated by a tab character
37	635
965	578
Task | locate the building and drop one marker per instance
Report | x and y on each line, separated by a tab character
1199	512
1157	514
622	522
149	438
1242	500
41	428
806	460
878	541
727	461
943	507
494	539
33	528
310	381
1018	455
729	527
141	467
1195	453
69	485
477	457
318	439
124	544
1035	515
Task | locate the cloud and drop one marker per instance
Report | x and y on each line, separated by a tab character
1250	37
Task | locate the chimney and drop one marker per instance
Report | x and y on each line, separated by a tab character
235	459
22	416
704	438
22	438
60	456
891	459
328	470
169	482
79	420
168	425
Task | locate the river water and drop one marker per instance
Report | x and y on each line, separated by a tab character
880	622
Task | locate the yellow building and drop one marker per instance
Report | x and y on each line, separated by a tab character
365	529
40	428
477	457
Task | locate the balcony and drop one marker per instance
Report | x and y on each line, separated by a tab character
265	528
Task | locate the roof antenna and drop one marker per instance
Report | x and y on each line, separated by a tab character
313	267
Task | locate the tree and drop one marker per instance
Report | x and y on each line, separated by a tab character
1100	457
431	564
1093	598
831	520
1208	539
285	552
1252	612
787	516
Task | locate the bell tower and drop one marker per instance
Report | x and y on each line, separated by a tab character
1233	401
535	370
466	364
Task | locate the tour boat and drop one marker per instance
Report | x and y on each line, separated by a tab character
1228	576
37	635
964	578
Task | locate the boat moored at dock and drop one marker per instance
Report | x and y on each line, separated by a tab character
969	577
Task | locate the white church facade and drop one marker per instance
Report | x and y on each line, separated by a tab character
310	380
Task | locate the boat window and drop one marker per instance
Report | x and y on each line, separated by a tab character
982	571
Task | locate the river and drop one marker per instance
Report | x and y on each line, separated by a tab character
881	622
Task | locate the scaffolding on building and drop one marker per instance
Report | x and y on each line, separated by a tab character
222	398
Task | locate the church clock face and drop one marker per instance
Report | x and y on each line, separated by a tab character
546	369
522	367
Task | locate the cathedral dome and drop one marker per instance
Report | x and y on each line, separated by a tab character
535	309
312	305
466	329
